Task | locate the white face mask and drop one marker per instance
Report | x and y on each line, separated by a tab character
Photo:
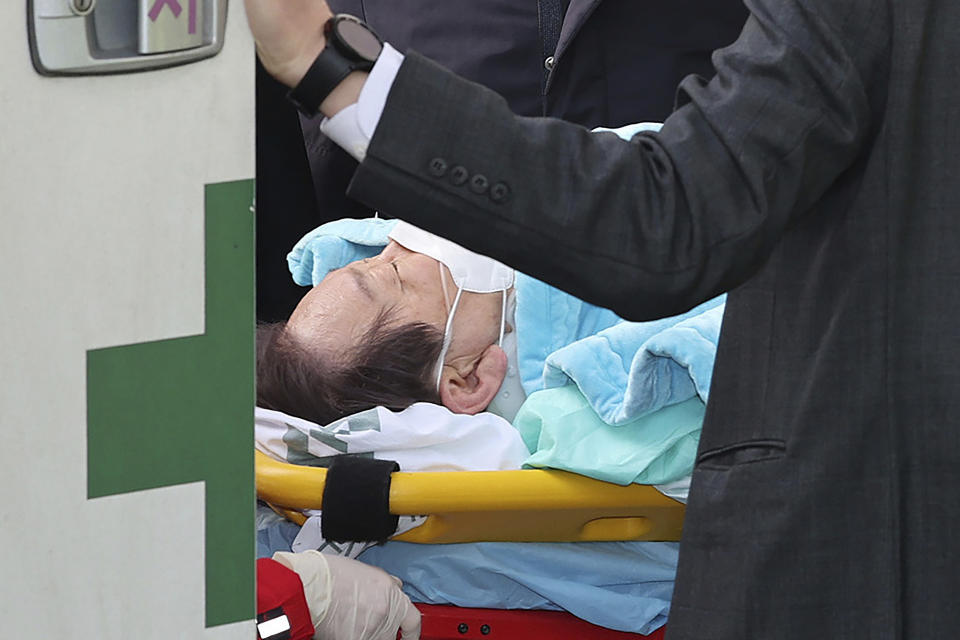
471	272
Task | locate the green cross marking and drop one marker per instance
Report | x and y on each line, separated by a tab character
181	410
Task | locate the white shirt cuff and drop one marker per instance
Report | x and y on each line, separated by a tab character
352	128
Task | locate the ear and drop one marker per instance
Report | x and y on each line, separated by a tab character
470	388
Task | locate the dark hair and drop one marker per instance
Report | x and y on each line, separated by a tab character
392	366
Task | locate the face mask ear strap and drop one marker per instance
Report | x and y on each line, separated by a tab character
447	336
443	284
503	317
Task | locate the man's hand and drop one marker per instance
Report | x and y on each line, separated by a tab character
289	35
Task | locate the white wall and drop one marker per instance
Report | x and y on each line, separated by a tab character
101	243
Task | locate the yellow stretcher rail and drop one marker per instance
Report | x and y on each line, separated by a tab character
472	506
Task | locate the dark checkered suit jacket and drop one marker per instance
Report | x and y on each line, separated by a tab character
816	179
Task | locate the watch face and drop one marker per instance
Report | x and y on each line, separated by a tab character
360	38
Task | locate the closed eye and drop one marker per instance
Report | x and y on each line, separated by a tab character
397	271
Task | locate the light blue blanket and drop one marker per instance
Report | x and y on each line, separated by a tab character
626	370
619	585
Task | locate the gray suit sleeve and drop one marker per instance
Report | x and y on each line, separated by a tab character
656	225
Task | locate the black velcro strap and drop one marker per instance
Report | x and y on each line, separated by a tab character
356	500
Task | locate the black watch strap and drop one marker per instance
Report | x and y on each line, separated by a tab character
327	71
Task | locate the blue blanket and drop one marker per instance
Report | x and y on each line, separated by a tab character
619	585
626	370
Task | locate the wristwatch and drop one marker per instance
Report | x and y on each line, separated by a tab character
351	46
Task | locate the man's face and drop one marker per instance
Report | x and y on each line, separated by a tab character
335	315
338	311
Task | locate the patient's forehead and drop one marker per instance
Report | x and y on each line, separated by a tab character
339	311
334	314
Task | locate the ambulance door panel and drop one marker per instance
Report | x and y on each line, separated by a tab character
126	295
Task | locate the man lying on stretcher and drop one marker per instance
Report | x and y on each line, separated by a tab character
388	324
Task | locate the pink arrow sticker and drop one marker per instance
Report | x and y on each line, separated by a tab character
174	5
192	17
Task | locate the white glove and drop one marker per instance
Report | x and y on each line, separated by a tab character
349	600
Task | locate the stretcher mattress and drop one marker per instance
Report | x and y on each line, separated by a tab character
618	585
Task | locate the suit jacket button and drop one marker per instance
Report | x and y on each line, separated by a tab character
479	183
458	175
438	167
500	192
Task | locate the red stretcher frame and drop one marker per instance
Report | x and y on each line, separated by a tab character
445	622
